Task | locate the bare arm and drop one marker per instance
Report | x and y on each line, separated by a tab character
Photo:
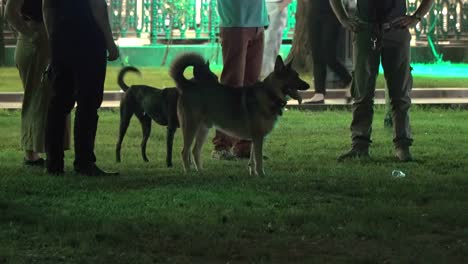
14	17
423	8
284	4
411	21
99	9
340	11
47	12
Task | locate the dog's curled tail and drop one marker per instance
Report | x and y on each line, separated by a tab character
120	78
179	65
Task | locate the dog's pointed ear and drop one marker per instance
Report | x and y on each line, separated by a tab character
208	63
279	64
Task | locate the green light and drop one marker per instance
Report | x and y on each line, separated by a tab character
440	70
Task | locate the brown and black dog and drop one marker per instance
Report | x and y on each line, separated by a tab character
243	112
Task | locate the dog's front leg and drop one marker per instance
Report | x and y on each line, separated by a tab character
258	156
251	161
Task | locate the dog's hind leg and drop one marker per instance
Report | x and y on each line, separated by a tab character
202	134
258	155
189	129
145	122
171	129
125	116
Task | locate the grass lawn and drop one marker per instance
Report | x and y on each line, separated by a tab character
308	209
426	76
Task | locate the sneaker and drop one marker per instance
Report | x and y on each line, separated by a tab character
222	155
40	162
93	171
403	154
355	153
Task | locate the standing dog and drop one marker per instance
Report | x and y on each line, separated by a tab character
149	103
244	112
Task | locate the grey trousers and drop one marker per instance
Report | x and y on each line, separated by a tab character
392	49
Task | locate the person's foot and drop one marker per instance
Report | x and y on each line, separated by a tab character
318	98
223	155
403	154
40	162
93	171
55	168
355	153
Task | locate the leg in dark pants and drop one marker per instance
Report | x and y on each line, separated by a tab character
90	87
324	41
80	81
366	63
396	65
62	102
317	33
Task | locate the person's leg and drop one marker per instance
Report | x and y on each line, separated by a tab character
25	62
388	121
234	43
318	59
273	37
366	65
252	72
331	31
396	64
61	103
89	77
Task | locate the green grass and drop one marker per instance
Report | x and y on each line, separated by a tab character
308	209
425	77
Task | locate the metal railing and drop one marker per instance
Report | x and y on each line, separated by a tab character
159	21
162	20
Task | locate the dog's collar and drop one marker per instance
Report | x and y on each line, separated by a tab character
278	103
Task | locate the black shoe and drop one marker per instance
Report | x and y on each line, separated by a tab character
93	171
355	153
54	168
40	162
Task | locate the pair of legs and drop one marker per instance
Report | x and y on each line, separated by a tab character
393	51
31	57
242	58
75	80
324	33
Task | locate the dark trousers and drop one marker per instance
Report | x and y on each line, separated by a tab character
324	35
78	80
242	59
392	48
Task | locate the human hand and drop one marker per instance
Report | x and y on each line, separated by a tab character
405	22
113	51
351	23
284	4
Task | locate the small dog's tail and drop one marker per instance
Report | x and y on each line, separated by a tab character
120	78
179	65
